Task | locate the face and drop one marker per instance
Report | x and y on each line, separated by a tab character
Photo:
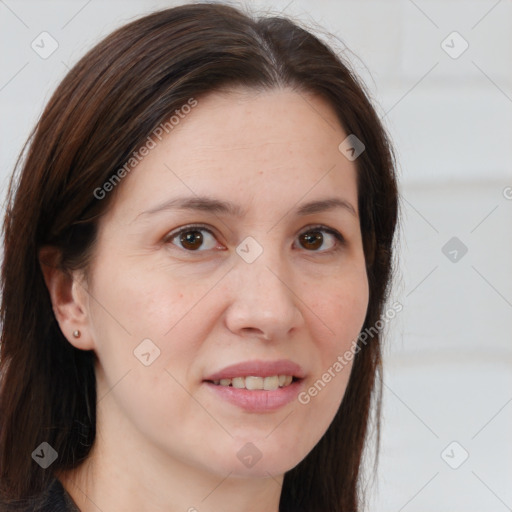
185	291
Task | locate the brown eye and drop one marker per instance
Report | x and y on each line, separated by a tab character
315	238
193	239
312	240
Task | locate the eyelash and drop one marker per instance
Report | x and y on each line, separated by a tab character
319	227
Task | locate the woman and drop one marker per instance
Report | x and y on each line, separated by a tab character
201	231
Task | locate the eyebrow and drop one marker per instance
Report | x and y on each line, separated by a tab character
216	206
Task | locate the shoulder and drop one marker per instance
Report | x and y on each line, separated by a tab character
54	499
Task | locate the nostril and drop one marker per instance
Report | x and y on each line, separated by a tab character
256	331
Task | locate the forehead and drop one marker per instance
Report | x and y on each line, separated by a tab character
244	118
273	146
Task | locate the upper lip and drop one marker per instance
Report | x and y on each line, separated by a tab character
259	368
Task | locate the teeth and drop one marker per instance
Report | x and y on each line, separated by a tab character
254	383
270	383
238	382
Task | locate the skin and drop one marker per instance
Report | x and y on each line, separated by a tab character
164	441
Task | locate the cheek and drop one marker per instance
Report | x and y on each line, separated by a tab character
135	305
143	302
340	312
341	309
139	313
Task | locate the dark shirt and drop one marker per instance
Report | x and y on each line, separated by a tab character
58	500
54	499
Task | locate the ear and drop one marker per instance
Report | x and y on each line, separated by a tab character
69	298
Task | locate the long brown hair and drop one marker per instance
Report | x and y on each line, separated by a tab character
103	111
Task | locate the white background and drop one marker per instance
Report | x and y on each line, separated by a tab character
448	353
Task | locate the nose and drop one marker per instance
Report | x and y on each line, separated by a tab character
264	301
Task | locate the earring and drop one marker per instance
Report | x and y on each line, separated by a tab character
76	334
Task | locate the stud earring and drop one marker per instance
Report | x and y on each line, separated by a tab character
76	334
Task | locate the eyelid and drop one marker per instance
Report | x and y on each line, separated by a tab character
189	227
320	227
341	241
327	229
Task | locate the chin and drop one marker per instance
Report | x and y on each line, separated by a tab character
261	470
260	459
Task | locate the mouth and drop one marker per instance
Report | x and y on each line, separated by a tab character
257	386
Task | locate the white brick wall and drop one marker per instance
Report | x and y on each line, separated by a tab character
449	353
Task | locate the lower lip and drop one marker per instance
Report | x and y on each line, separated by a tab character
258	400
